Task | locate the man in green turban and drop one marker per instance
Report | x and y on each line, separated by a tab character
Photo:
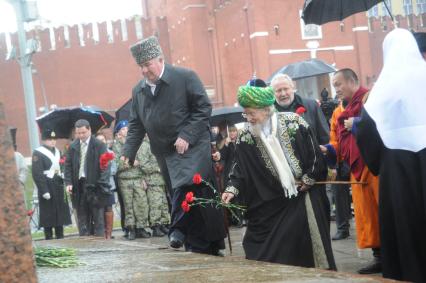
277	163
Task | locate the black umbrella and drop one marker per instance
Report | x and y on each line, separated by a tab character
228	115
62	120
305	69
323	11
123	113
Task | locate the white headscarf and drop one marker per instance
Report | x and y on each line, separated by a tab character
397	102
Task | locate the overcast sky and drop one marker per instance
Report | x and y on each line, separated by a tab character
60	12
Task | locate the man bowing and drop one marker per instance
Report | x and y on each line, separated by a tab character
170	105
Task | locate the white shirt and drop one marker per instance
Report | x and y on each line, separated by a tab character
153	85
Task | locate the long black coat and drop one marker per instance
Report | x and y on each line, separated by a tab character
402	203
179	108
94	175
54	211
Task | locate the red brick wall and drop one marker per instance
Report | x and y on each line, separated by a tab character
210	36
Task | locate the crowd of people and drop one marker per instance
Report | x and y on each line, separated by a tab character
277	166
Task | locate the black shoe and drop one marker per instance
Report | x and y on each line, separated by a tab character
142	233
156	231
340	235
59	232
48	233
132	234
164	229
372	268
176	239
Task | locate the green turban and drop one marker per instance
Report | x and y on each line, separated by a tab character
255	97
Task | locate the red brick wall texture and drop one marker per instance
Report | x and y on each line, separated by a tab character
226	42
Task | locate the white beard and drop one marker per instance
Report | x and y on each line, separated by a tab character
256	129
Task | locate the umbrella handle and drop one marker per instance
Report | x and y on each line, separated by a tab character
389	12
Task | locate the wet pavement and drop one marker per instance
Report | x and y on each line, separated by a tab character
151	260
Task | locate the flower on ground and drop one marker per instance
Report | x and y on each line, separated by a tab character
185	206
189	197
197	179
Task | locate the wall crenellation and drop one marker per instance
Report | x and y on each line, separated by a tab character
77	36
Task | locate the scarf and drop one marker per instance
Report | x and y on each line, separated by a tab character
276	154
348	148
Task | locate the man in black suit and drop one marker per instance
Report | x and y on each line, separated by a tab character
86	180
171	105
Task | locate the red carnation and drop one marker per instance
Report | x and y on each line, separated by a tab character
185	206
104	159
30	212
197	179
62	160
189	198
300	110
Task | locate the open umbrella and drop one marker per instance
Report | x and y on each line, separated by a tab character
304	69
229	115
123	113
62	120
323	11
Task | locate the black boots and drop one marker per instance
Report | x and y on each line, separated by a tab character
142	233
340	235
375	266
156	231
132	233
59	232
48	233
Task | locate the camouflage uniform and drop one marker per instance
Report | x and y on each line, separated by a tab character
155	191
134	196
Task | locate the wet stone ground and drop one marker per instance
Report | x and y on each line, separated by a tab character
150	260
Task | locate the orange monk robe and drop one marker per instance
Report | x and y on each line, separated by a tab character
365	197
334	137
366	208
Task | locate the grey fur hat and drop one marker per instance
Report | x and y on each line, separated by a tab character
146	49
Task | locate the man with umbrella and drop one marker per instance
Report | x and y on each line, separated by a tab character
170	105
46	171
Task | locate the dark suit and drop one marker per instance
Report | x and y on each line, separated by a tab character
179	108
90	216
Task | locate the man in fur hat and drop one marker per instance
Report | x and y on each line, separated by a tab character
170	104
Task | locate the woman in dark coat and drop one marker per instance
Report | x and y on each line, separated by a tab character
54	209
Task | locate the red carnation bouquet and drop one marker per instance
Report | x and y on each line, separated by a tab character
105	159
300	110
190	199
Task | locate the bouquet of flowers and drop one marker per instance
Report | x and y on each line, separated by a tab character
216	201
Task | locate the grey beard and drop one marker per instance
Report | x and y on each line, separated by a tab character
256	129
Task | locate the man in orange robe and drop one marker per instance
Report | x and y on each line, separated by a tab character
365	196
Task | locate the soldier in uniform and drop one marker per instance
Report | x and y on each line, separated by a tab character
130	183
54	209
155	186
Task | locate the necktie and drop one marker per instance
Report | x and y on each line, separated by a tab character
83	151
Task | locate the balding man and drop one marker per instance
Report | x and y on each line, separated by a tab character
287	100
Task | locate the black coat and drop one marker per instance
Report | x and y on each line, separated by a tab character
402	203
313	115
179	108
55	211
95	177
